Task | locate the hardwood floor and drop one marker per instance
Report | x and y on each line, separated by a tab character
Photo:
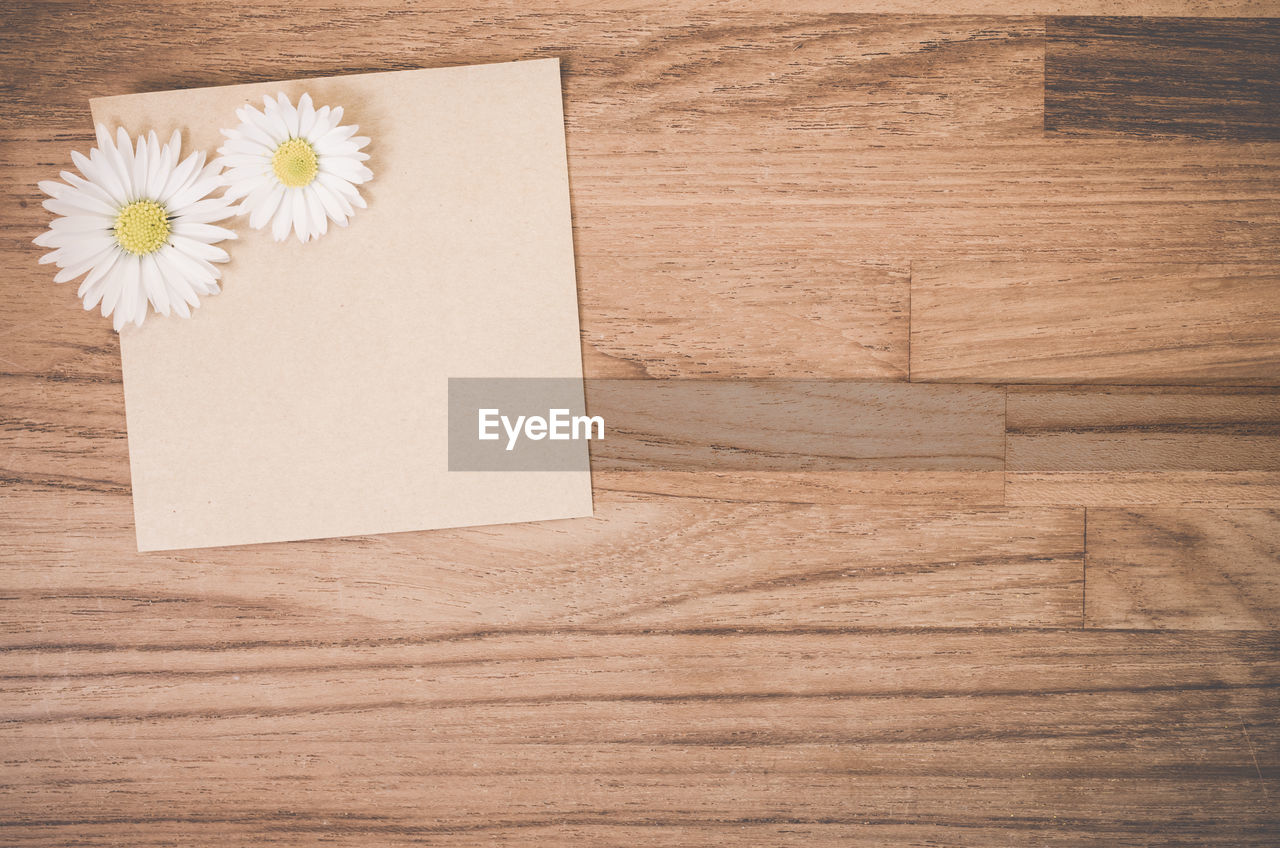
1204	569
991	557
1131	445
1051	331
1154	76
1058	738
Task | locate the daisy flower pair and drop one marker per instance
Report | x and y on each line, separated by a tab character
143	227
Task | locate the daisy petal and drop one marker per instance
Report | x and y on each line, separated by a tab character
97	273
330	203
140	310
306	115
80	223
301	221
93	287
347	169
262	209
126	308
207	233
289	113
316	214
141	168
71	271
341	190
85	187
320	125
100	174
253	130
199	274
283	220
127	274
198	189
79	202
180	177
154	285
199	249
207	211
84	247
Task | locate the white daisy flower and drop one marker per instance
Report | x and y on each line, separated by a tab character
296	167
140	223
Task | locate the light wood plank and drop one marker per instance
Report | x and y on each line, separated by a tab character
714	314
626	70
790	738
1183	568
1135	488
370	10
738	564
1078	322
710	73
945	201
664	215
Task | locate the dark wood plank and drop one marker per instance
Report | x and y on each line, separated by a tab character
1187	77
1183	568
1081	322
1132	445
618	738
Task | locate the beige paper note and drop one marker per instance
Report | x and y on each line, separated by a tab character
308	399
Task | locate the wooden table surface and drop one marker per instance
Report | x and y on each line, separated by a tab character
1051	240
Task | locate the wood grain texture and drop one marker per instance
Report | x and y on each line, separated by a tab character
690	221
1125	445
799	441
853	317
613	738
751	656
1183	568
1095	323
944	200
1162	77
930	488
1126	428
1129	445
740	563
1132	488
722	193
701	71
796	425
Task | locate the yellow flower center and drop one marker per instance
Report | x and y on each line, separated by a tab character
142	227
295	163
